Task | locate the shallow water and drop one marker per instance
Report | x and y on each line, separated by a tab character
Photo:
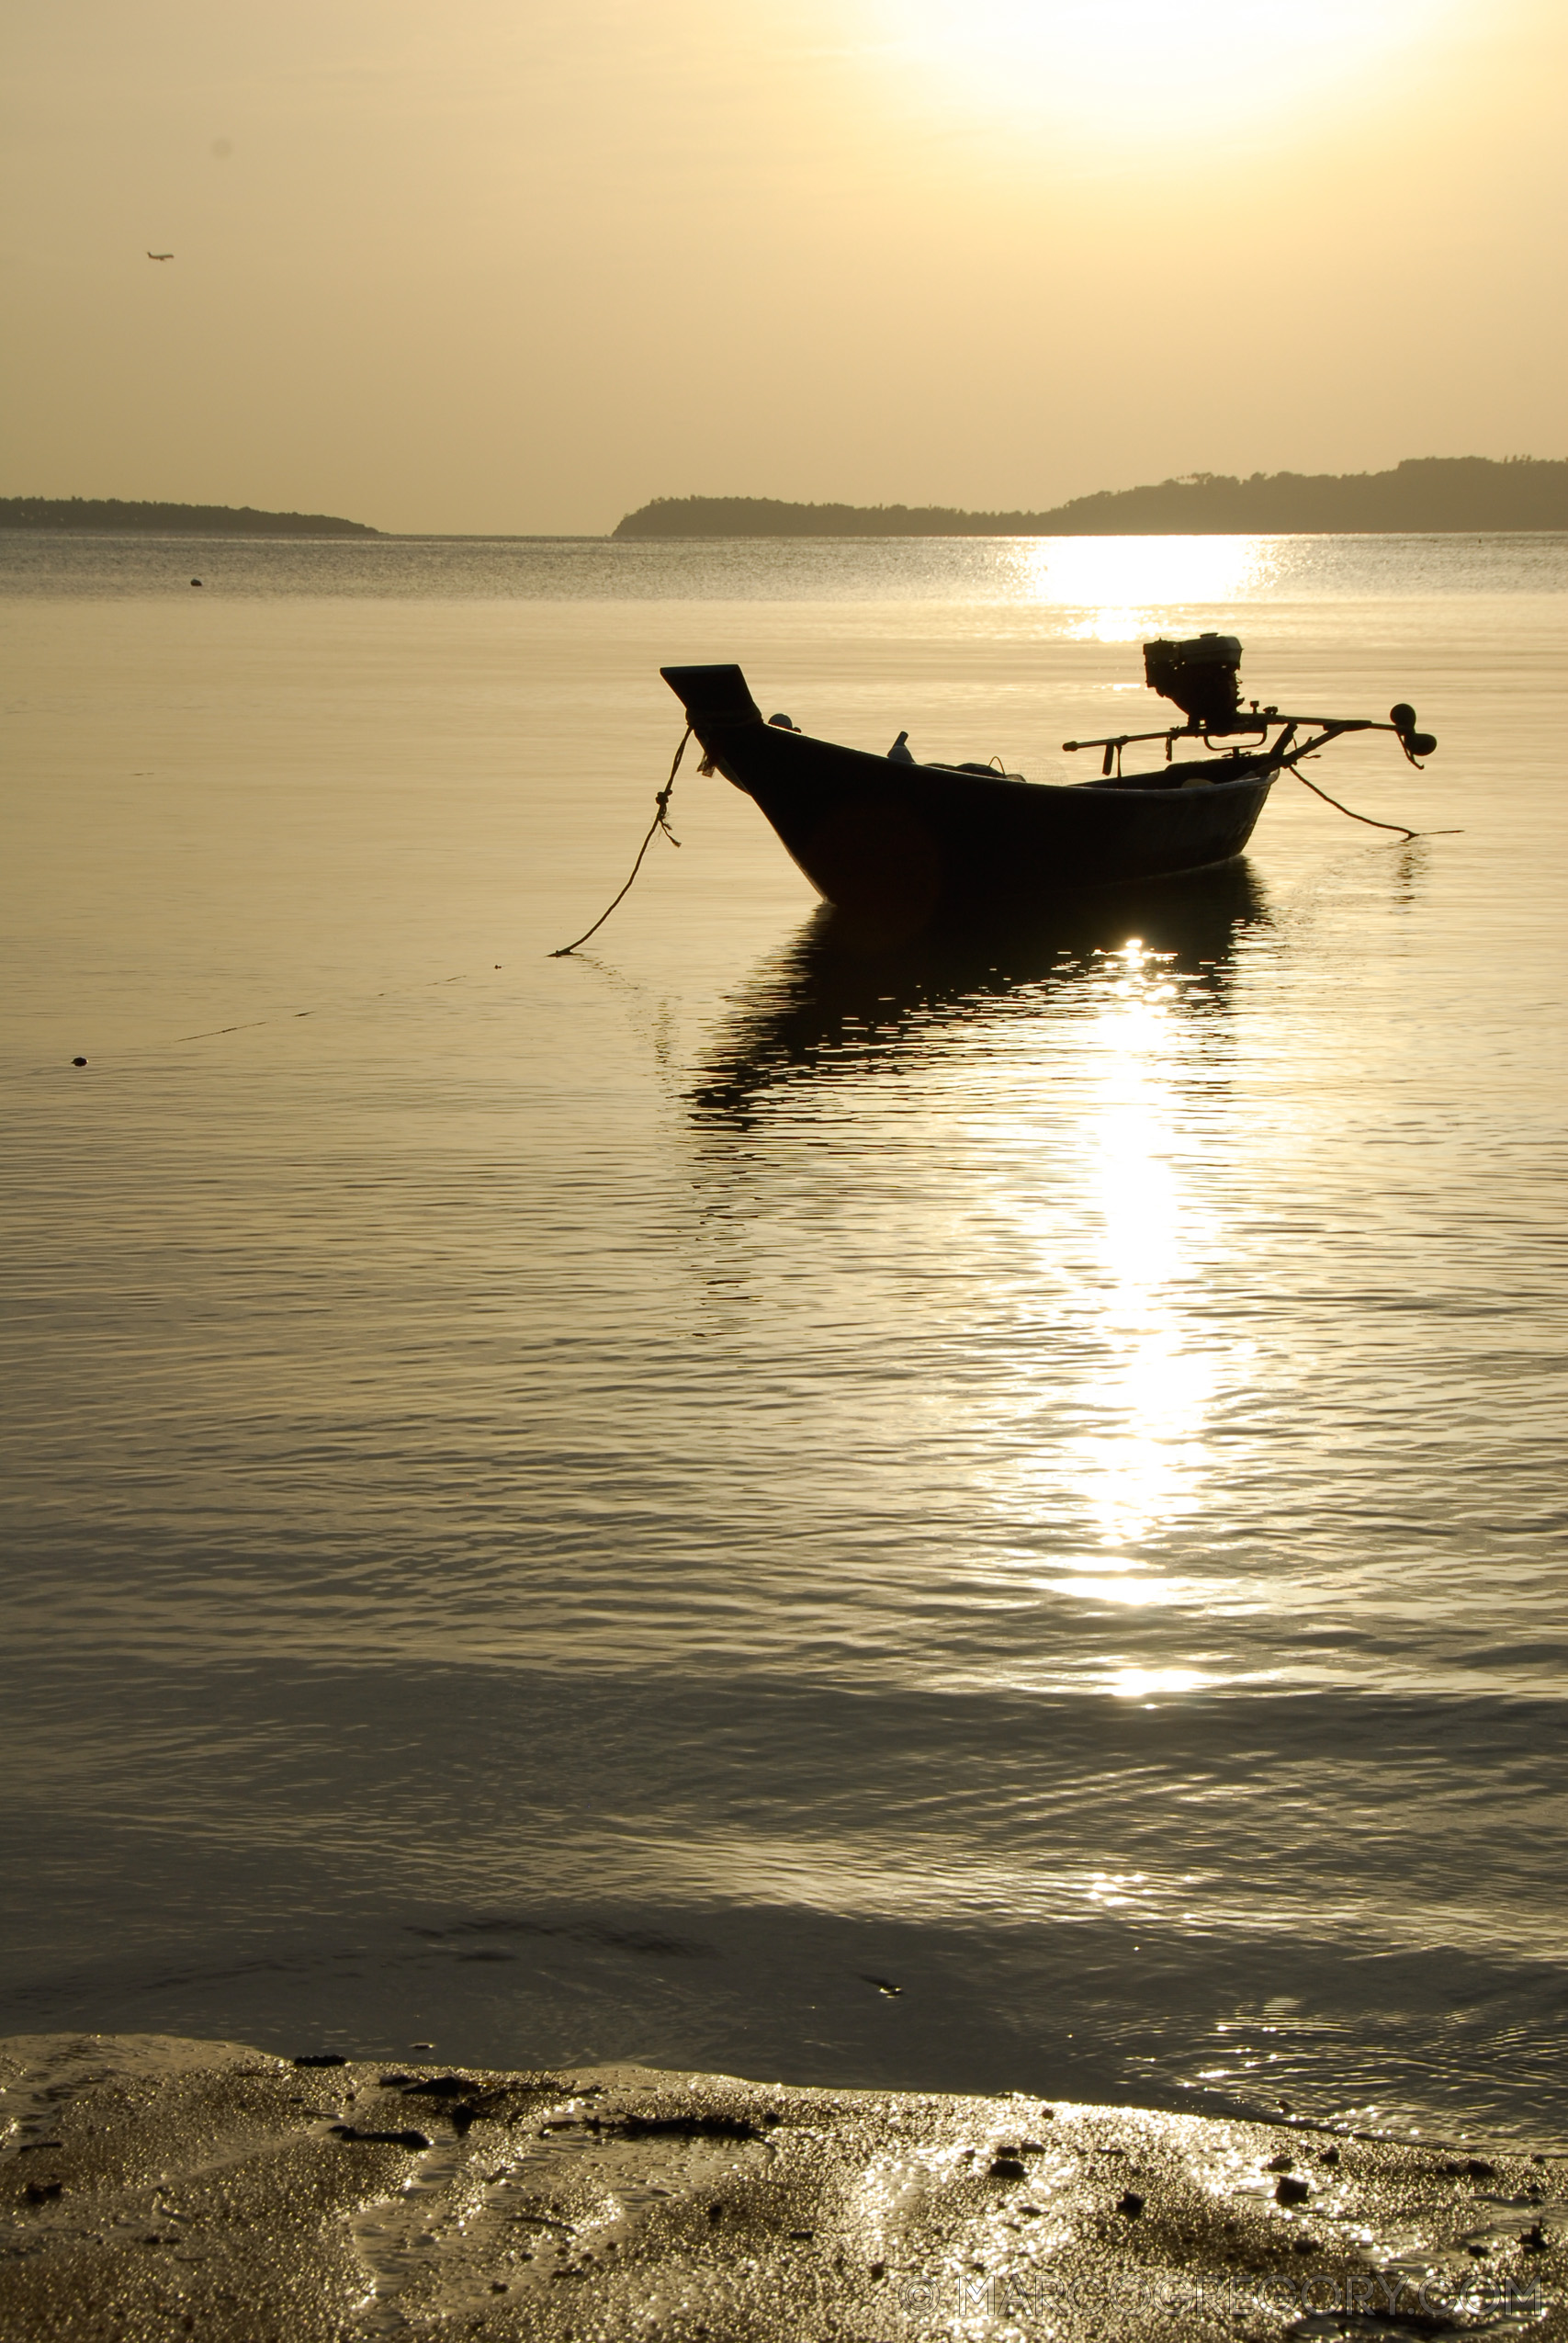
597	1508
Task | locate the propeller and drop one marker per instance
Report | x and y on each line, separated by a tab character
1402	718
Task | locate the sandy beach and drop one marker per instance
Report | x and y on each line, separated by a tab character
160	2187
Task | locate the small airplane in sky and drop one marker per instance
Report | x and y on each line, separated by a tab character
160	255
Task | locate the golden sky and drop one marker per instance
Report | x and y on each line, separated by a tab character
484	267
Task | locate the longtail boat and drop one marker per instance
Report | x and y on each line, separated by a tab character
903	843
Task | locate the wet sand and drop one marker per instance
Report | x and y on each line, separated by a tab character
160	2187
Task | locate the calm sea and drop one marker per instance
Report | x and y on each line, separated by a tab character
626	1507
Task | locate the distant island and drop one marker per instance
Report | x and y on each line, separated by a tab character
165	520
1425	494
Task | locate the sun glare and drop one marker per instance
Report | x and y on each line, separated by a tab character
1103	66
1119	582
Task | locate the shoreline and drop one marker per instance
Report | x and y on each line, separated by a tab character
160	2186
801	536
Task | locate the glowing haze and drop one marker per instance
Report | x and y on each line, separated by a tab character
521	264
1089	67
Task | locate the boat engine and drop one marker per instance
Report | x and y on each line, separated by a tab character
1202	677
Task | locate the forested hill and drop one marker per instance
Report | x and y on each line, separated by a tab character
1429	492
194	520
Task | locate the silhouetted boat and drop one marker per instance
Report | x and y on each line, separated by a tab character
899	843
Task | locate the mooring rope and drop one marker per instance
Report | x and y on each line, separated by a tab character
1367	818
659	821
289	1016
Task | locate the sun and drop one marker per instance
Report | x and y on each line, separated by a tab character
1110	68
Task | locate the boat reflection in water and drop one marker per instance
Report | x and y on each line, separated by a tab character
836	1003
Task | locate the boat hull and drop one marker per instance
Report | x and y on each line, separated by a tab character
901	843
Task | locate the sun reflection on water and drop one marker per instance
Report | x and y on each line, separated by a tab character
1134	1589
1144	1683
1104	1494
1148	1391
1126	586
